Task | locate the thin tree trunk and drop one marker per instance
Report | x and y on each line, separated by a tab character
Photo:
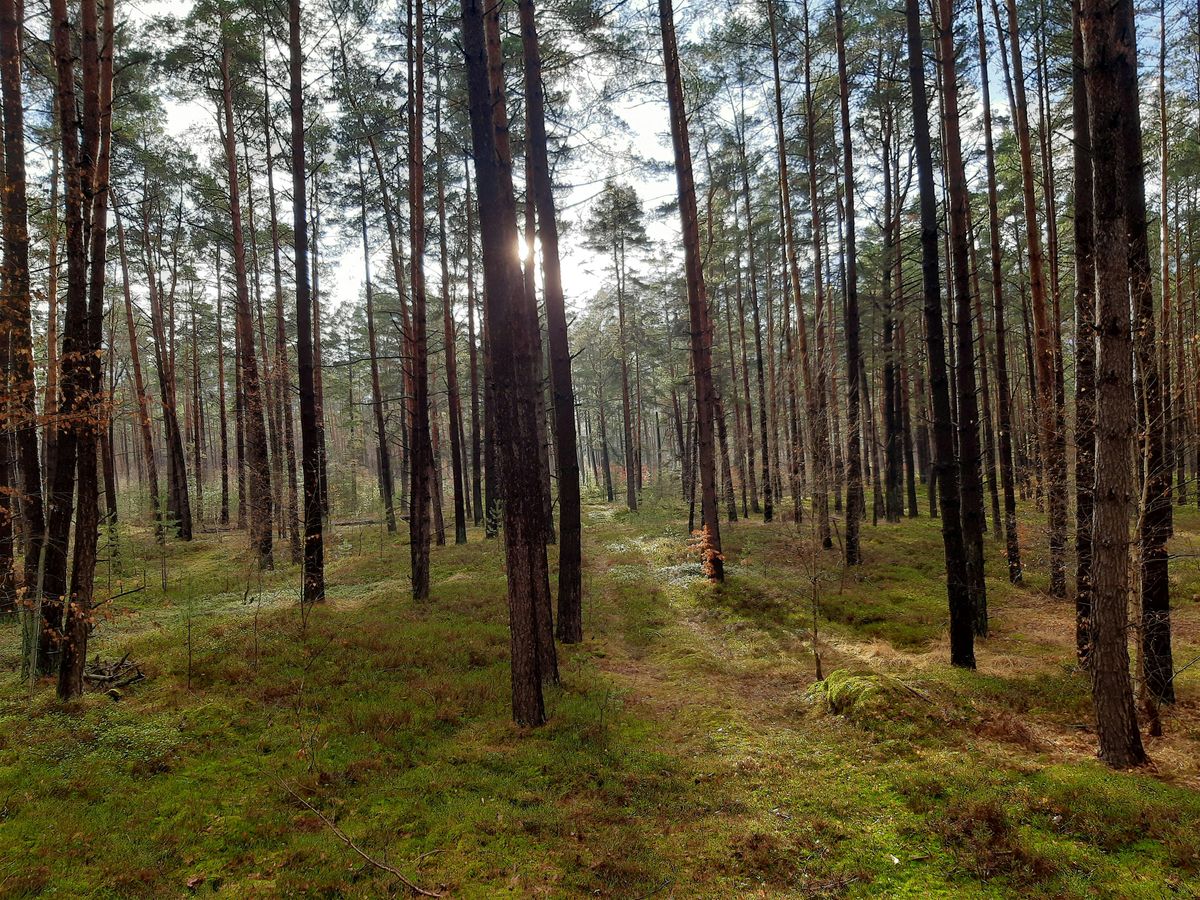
382	457
1085	348
259	472
701	326
310	429
1003	394
223	518
854	496
143	405
282	383
421	449
1052	444
472	355
449	338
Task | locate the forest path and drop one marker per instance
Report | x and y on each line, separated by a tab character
899	774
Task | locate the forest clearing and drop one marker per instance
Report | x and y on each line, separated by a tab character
686	751
559	448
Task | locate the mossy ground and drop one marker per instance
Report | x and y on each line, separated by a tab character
687	754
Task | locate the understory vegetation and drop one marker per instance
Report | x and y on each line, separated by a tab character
689	750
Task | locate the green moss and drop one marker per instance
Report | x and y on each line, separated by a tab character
682	756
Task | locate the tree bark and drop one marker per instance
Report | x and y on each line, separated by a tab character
974	523
421	452
701	326
1085	347
1003	394
570	589
259	472
962	643
510	347
310	429
1052	446
1111	75
15	285
854	496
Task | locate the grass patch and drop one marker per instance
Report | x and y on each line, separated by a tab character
688	753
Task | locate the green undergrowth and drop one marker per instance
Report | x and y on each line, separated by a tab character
690	750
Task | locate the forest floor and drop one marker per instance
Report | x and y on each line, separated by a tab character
688	752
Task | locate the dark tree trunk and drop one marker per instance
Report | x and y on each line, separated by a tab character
962	639
178	505
974	522
310	429
816	380
511	365
318	381
1156	512
1111	76
96	132
473	357
449	337
421	448
15	285
570	590
223	518
1085	347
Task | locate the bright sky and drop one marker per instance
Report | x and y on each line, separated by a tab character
584	271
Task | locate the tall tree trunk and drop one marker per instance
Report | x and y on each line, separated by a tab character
1111	75
701	326
178	504
477	507
768	503
854	496
15	305
449	338
143	405
318	380
223	518
310	429
383	459
623	349
96	133
421	452
570	590
510	347
197	417
1052	445
962	643
974	522
281	381
259	472
1003	394
1085	346
1156	513
817	391
893	459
